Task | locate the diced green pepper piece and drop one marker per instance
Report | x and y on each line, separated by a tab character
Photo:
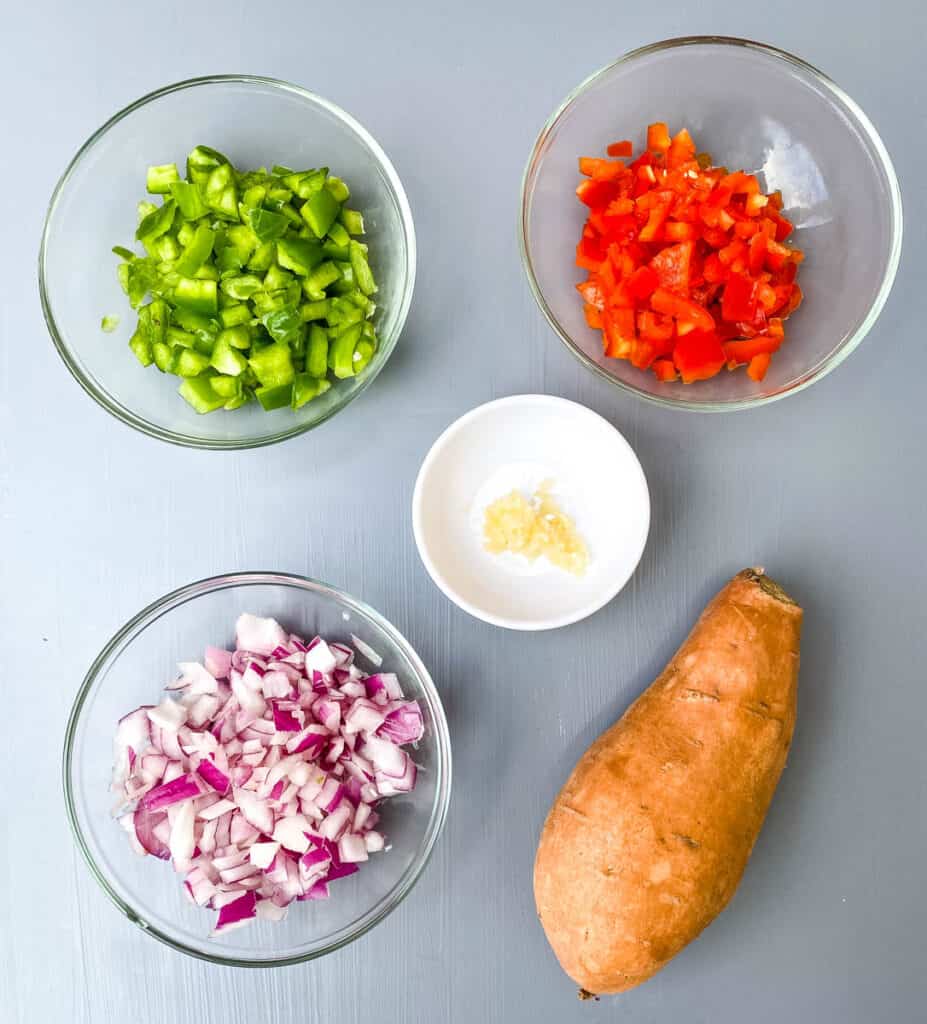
189	199
283	325
162	355
340	253
238	336
238	401
353	221
307	387
276	397
175	336
263	256
305	183
197	296
109	324
242	287
202	161
343	312
363	353
190	363
143	208
221	192
231	316
253	197
156	317
275	278
341	352
227	387
159	178
319	212
141	346
227	359
338	234
320	278
317	353
157	222
197	251
123	253
340	192
273	366
198	392
363	275
292	215
299	254
267	225
314	310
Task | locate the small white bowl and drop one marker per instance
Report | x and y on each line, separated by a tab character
518	442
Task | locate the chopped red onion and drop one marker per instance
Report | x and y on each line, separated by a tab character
259	776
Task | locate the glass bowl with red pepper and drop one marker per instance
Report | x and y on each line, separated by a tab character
288	207
710	223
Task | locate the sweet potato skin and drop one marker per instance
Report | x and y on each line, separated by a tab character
650	836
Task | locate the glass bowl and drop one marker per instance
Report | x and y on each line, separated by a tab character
132	670
256	122
751	107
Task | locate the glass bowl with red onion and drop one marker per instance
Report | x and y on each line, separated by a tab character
257	768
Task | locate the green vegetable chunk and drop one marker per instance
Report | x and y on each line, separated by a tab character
249	285
160	178
199	393
320	211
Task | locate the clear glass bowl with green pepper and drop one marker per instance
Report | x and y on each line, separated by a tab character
268	278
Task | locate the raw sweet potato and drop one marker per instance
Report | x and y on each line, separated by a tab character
649	837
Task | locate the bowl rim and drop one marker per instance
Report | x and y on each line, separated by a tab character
123	412
441	581
175	599
821	369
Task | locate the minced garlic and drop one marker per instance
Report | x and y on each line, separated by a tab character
533	527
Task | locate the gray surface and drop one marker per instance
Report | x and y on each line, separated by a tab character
826	489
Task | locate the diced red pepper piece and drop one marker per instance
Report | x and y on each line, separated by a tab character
596	193
681	150
619	333
672	267
758	366
620	207
602	170
689	315
593	316
743	351
650	231
643	282
664	369
678	231
698	355
739	299
740	183
623	148
658	137
592	294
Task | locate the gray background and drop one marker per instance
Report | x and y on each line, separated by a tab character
825	489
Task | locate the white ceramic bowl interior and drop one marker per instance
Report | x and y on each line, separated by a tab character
518	442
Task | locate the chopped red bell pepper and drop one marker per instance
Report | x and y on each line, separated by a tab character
686	264
658	138
623	148
759	364
698	355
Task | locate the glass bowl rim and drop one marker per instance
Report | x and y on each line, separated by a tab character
819	370
181	596
123	412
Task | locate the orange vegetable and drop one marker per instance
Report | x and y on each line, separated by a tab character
687	266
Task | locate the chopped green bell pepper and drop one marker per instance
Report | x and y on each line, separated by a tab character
198	392
159	178
319	211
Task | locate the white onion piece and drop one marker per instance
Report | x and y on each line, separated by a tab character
259	776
